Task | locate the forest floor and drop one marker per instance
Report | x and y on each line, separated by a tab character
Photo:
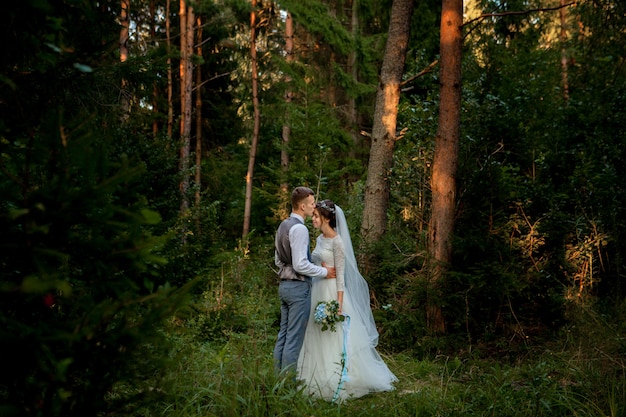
222	366
236	379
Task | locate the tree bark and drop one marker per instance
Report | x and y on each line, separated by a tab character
257	121
186	84
444	168
198	151
124	34
286	132
155	87
170	86
383	136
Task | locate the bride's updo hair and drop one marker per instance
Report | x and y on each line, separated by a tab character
327	210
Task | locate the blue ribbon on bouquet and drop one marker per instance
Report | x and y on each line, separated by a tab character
344	357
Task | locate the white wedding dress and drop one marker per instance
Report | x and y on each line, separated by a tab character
321	361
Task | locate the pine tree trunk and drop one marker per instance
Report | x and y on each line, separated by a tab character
385	117
257	121
170	86
186	83
125	26
444	168
198	151
286	133
155	88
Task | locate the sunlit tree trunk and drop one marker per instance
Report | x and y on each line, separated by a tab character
124	34
257	121
170	86
384	128
444	168
286	133
198	151
186	84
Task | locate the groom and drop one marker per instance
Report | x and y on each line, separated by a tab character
295	270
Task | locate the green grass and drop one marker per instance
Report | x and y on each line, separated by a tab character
229	372
237	380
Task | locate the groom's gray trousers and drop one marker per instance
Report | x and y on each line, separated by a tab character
295	308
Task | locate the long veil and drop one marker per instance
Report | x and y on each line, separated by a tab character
356	286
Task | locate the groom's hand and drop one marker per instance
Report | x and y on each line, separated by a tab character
331	271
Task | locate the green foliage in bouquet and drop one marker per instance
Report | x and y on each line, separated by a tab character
327	314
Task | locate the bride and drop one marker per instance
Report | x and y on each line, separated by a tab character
341	364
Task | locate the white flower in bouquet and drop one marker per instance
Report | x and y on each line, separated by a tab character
327	314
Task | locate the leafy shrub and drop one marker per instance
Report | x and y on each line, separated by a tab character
81	299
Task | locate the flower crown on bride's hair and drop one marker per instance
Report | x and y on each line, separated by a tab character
322	204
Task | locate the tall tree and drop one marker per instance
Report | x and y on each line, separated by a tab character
170	77
124	34
323	87
186	84
286	132
155	85
198	151
257	122
385	118
444	168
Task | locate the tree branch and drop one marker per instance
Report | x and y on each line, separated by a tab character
422	72
542	9
211	79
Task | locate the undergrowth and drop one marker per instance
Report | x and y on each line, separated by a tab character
227	370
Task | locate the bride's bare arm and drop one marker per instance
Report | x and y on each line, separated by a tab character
340	301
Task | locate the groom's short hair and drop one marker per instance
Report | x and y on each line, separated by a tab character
299	194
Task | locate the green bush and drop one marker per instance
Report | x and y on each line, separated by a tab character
82	300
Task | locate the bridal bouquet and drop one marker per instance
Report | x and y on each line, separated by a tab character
327	314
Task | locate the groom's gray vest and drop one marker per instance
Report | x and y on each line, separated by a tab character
283	249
